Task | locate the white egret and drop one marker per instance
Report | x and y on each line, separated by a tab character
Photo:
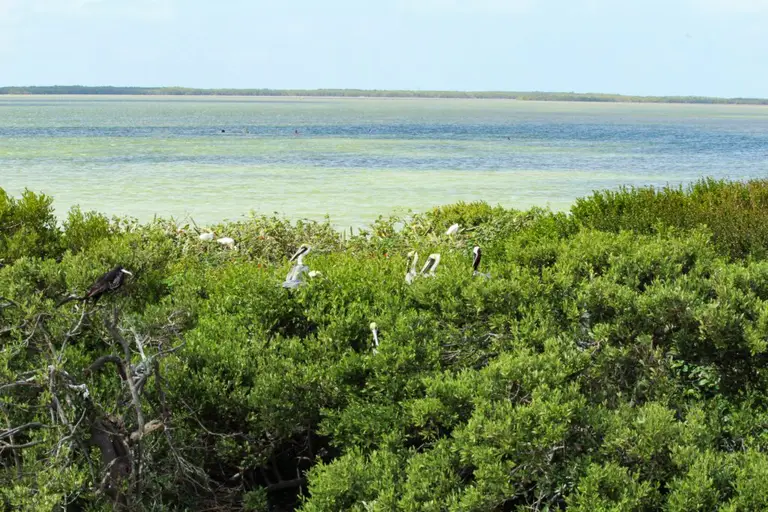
410	275
452	230
206	237
429	268
477	252
225	240
293	279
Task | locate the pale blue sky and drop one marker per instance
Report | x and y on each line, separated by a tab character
670	47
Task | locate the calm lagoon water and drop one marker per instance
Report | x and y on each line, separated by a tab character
354	159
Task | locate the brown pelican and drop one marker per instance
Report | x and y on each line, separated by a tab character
109	282
477	252
429	268
293	279
410	275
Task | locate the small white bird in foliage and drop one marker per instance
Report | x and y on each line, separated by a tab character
477	252
429	268
206	237
410	274
375	332
452	230
225	240
293	279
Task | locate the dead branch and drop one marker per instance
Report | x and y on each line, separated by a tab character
286	484
115	333
72	333
4	445
8	303
30	382
20	428
103	360
150	427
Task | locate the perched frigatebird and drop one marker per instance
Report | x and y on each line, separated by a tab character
109	282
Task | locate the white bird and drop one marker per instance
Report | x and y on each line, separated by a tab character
476	263
452	230
293	279
206	237
429	268
375	338
410	275
226	241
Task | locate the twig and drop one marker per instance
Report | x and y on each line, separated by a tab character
21	428
103	360
8	303
71	334
26	382
30	444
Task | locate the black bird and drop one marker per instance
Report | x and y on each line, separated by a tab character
109	282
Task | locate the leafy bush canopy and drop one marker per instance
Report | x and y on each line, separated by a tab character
615	359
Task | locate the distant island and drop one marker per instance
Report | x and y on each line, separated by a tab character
376	93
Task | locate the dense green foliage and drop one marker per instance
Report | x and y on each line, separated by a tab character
381	93
617	359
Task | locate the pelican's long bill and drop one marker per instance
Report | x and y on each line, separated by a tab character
431	265
299	252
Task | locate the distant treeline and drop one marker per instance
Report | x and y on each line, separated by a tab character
376	93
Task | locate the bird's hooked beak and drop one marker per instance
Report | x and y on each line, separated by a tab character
126	272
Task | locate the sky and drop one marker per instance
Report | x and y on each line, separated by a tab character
645	47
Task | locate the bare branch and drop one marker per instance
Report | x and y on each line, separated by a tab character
150	427
30	444
71	334
103	360
286	484
8	303
20	428
26	382
115	333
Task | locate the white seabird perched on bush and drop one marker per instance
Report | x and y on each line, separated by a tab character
293	279
375	332
225	240
452	230
410	274
431	265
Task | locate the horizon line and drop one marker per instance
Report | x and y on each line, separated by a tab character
390	93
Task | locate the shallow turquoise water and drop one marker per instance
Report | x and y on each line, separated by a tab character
357	158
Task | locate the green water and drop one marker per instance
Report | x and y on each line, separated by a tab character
354	159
